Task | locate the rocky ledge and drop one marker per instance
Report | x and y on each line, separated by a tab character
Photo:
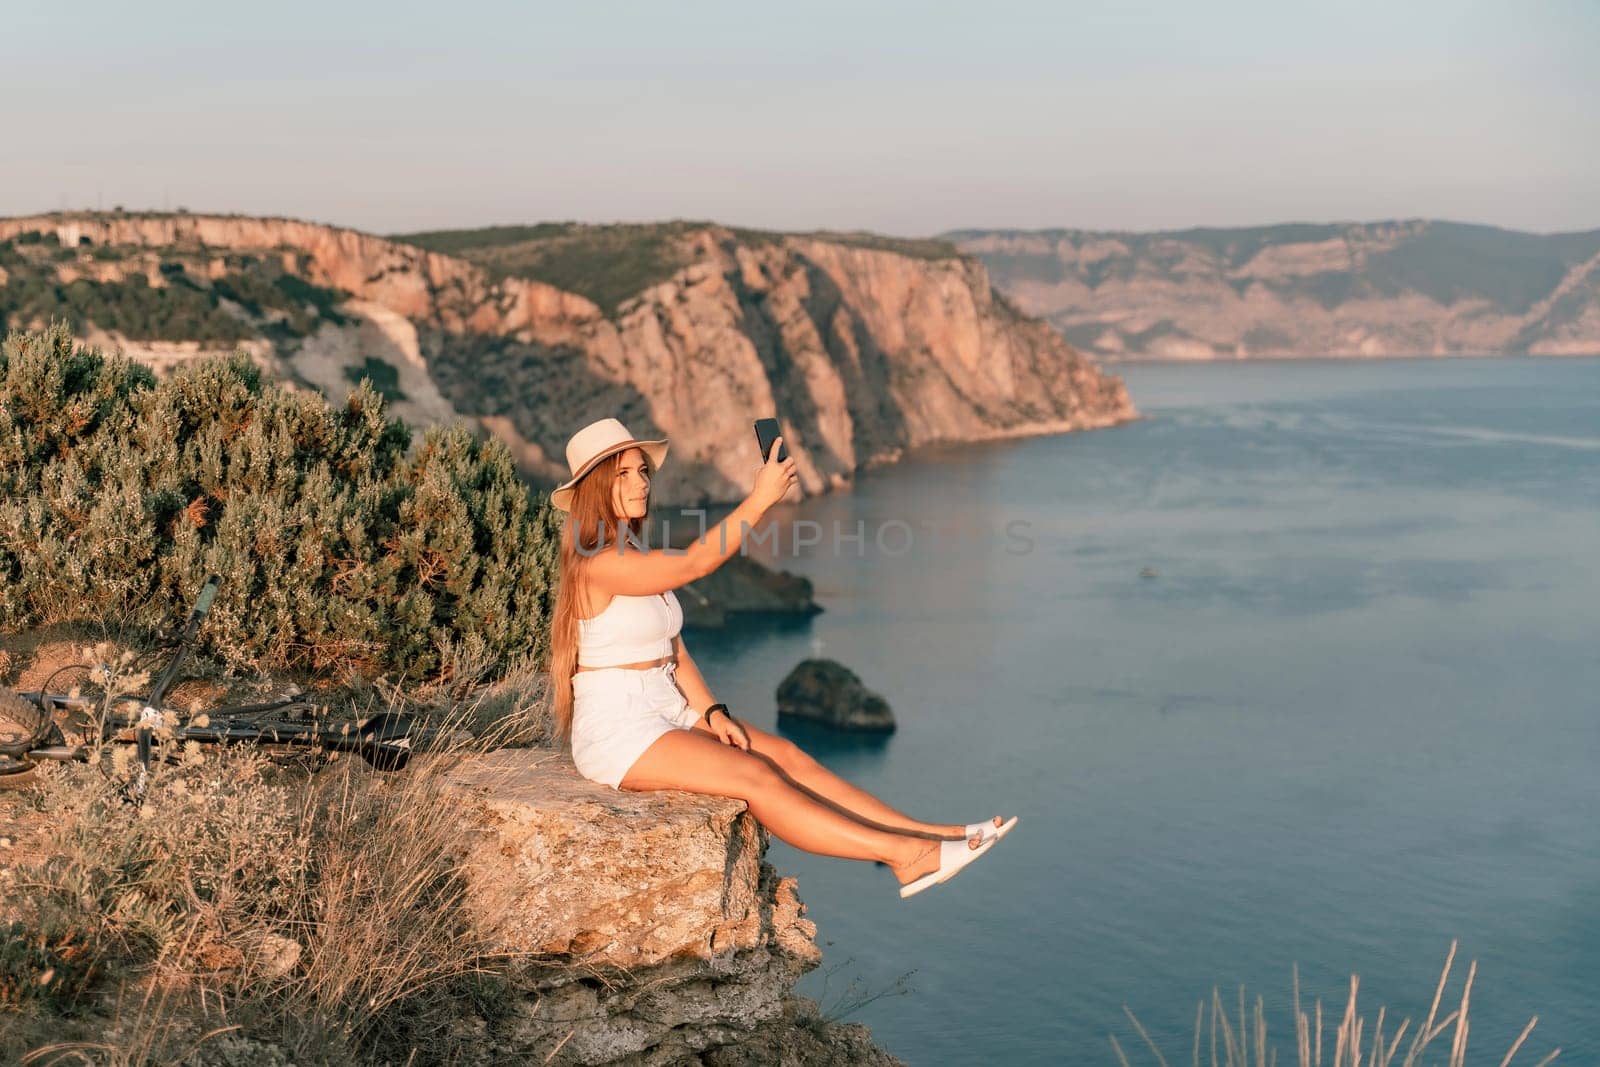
670	939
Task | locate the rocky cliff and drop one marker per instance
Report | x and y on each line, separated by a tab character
1380	289
665	936
862	348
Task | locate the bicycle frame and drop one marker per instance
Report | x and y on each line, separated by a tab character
384	740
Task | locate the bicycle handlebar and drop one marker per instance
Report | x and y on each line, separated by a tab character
208	593
202	605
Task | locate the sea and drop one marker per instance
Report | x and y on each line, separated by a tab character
1296	679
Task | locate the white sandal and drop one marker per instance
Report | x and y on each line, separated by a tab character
989	830
953	855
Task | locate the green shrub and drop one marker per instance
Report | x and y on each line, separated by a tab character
178	311
338	548
301	292
606	264
383	375
187	307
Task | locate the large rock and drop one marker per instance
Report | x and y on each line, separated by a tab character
660	934
827	692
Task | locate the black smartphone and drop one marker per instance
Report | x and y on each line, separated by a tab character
766	433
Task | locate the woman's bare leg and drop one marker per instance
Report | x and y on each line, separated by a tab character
827	787
813	778
696	762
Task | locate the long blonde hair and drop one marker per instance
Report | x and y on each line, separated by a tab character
591	525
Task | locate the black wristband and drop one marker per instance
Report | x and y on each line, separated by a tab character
718	707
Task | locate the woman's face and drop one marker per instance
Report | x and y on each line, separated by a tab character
630	493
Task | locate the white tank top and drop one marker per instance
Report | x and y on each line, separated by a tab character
631	629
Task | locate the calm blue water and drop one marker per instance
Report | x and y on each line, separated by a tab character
1353	716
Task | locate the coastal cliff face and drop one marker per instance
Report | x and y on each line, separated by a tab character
674	941
862	350
1383	289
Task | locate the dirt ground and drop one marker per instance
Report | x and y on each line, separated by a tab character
26	661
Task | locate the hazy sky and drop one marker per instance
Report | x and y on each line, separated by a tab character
907	118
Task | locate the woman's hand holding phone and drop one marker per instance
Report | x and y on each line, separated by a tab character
775	477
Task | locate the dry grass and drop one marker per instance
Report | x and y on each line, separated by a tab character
323	914
1352	1044
156	1026
502	706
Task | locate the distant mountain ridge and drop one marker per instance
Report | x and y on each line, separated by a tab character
864	346
1399	288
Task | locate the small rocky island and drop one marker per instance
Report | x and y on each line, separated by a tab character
827	692
741	586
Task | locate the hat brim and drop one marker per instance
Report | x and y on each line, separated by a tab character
561	495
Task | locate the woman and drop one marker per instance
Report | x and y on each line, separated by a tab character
638	712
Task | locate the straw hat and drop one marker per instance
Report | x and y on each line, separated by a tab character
593	443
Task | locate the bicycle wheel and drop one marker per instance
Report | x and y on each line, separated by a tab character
16	773
74	698
22	724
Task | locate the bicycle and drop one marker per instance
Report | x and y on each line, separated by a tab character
77	722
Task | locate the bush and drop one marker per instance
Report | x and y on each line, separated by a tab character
338	548
385	377
606	264
188	307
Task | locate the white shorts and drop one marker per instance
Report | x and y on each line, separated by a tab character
618	712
